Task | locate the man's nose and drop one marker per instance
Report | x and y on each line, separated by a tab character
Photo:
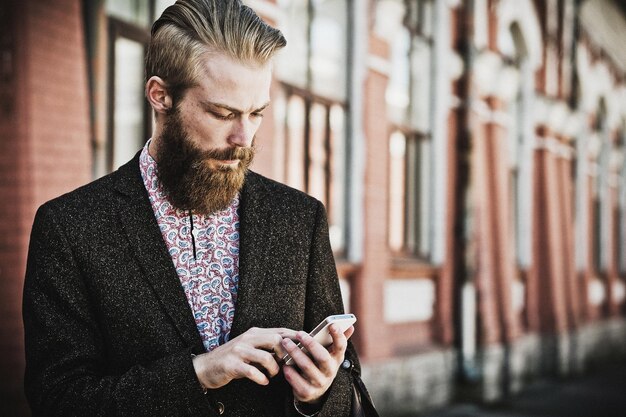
242	133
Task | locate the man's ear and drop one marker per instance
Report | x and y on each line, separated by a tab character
157	95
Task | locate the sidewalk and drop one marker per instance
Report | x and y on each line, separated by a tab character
600	394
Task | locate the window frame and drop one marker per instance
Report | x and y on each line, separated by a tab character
412	212
121	29
310	98
419	25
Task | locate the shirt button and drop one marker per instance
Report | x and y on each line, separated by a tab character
346	364
220	408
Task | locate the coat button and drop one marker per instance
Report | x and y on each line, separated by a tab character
346	364
220	408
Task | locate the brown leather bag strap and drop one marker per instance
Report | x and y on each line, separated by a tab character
362	405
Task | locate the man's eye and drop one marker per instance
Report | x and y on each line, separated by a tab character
257	114
229	116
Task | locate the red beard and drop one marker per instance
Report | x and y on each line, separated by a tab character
188	180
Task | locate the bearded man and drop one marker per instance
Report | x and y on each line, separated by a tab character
174	286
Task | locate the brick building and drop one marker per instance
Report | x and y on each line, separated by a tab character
470	155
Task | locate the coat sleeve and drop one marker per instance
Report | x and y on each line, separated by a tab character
323	298
66	371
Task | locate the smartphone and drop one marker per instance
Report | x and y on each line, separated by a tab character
321	333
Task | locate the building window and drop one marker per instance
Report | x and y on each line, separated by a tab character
129	117
135	12
139	13
313	71
315	58
409	179
409	97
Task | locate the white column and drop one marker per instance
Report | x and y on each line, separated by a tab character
439	115
356	145
526	168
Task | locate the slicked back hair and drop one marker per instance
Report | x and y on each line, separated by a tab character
190	28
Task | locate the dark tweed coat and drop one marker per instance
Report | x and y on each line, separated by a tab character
108	328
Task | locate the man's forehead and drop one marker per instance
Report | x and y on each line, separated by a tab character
219	64
232	85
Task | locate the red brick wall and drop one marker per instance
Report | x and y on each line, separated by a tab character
13	197
44	151
567	225
548	251
59	113
489	331
368	287
504	225
444	306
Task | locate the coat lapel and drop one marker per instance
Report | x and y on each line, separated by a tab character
255	216
150	250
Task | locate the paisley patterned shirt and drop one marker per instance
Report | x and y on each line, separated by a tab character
210	277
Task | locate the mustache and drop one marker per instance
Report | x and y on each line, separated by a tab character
228	154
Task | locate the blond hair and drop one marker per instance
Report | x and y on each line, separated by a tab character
189	28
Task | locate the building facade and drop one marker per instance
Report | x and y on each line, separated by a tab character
470	154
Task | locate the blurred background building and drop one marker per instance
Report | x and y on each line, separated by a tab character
470	154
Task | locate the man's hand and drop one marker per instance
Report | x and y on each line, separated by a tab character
251	355
317	371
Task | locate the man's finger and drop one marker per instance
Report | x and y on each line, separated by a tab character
318	353
270	341
302	390
283	331
340	342
302	360
348	333
252	373
263	360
